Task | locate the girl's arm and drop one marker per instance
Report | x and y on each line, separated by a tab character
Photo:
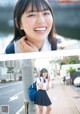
47	88
40	85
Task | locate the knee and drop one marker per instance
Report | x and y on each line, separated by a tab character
49	109
40	110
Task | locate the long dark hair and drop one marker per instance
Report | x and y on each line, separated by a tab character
20	8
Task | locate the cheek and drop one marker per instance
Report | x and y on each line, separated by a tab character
27	24
45	74
50	20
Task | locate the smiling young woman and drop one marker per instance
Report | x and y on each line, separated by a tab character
34	27
42	99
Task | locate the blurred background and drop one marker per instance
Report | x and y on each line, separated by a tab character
67	21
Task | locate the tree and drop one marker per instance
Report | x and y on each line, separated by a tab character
70	60
71	69
10	70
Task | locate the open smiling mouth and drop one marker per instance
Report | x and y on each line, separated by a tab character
41	29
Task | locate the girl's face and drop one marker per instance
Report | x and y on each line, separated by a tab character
37	25
44	74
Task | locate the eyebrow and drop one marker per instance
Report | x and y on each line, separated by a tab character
30	11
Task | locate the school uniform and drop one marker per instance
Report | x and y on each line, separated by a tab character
14	48
42	97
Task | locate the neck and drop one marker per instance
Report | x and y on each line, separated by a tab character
38	44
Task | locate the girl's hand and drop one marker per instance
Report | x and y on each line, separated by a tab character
40	85
26	46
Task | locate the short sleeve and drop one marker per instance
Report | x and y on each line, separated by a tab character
38	80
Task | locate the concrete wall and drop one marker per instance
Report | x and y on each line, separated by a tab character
3	73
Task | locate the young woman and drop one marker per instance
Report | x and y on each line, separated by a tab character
42	98
34	27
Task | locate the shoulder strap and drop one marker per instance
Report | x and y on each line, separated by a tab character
10	48
54	45
39	78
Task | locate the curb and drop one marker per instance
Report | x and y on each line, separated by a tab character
21	110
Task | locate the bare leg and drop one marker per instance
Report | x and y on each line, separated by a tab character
48	109
40	109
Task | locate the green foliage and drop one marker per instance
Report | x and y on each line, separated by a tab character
3	81
62	63
11	81
70	60
71	69
10	69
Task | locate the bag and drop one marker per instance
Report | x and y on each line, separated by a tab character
10	48
32	91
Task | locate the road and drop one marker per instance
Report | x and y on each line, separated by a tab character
11	94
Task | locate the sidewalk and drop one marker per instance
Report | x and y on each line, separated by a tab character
65	99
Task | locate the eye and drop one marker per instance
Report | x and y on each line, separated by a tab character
47	13
31	15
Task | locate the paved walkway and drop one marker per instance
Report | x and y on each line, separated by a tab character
65	99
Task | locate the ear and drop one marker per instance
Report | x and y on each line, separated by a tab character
17	24
21	27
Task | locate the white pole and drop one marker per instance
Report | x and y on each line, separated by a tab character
28	78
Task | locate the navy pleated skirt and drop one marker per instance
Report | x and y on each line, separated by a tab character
42	98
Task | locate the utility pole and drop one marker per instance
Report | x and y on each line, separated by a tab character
28	78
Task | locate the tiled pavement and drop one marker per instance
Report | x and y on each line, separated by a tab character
65	98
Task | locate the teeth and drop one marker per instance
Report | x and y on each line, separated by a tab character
40	29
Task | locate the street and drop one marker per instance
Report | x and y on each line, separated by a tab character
11	94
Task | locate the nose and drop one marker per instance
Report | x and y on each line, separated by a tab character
40	18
